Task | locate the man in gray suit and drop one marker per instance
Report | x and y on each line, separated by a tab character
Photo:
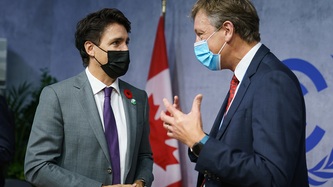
68	144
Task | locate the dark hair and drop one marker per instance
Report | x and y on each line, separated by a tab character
92	27
241	13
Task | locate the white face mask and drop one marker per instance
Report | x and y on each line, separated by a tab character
205	56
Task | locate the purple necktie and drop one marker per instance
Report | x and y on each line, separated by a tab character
111	135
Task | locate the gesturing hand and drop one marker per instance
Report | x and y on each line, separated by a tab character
186	128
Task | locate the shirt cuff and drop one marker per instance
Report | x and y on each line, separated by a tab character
204	139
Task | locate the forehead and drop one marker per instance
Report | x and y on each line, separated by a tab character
114	31
201	22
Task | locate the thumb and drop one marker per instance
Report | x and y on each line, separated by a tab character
197	103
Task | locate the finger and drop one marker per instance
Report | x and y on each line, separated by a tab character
170	108
166	126
169	130
170	134
197	103
176	102
166	118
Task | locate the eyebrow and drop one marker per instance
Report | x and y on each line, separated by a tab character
120	39
200	31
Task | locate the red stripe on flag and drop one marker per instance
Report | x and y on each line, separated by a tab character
167	171
159	60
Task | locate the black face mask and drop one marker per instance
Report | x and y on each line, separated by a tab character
118	63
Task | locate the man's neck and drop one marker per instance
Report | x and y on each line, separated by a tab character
239	49
99	73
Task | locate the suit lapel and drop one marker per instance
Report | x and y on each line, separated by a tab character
233	107
86	98
131	119
218	119
261	53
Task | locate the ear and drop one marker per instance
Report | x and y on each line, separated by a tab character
229	30
89	46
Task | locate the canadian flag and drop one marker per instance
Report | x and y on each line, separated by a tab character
166	167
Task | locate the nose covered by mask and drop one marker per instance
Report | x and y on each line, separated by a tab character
117	65
205	56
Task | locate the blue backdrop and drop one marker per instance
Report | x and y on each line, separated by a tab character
40	34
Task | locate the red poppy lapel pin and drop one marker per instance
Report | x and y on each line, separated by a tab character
129	95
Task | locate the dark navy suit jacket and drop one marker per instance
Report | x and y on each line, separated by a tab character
262	139
7	140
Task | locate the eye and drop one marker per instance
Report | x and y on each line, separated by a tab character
116	42
200	36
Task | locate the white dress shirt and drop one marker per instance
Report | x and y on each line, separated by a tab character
242	66
119	113
241	69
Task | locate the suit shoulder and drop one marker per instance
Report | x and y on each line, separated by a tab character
272	63
71	81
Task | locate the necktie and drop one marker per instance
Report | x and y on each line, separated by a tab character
203	183
233	85
111	135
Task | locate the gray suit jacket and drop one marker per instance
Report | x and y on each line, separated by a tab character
67	146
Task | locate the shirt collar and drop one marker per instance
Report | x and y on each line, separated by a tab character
245	62
98	85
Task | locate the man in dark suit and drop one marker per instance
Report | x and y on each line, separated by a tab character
71	138
258	137
7	138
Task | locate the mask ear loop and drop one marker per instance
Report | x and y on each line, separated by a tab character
98	61
222	47
102	50
211	35
224	42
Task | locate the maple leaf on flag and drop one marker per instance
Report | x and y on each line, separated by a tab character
166	167
162	153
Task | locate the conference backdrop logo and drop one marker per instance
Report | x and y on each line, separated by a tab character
321	172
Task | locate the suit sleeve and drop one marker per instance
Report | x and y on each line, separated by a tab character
45	147
145	160
276	117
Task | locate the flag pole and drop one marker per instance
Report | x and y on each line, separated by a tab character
163	7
